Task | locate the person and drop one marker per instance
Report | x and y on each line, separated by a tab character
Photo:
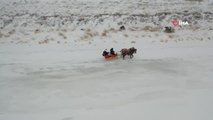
105	53
112	52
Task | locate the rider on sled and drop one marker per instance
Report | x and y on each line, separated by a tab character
105	53
112	52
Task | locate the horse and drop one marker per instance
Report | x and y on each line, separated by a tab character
129	52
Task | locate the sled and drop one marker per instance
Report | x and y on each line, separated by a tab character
111	57
108	57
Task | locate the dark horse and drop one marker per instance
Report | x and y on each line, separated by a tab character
129	52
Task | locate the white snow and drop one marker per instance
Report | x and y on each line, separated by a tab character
56	82
58	72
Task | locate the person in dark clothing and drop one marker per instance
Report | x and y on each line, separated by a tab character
112	52
105	52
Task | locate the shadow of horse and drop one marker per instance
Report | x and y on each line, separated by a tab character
129	52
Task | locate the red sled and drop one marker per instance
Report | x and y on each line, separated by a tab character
111	56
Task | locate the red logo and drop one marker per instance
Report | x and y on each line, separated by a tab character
175	22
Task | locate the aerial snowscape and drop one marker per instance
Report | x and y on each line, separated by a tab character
52	68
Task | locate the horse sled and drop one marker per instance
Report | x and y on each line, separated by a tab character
122	53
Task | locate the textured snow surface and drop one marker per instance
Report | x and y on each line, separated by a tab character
54	82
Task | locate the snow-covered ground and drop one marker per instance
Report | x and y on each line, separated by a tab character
55	71
57	82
